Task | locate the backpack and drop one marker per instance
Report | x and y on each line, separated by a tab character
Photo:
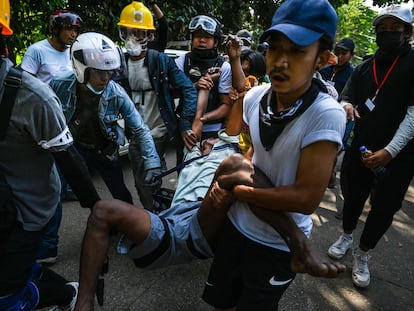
204	65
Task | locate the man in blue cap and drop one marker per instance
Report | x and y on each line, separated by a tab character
338	74
296	130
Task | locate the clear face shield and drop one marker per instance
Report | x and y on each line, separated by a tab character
136	40
203	22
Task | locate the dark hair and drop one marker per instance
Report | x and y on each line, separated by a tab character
262	48
325	43
408	29
257	63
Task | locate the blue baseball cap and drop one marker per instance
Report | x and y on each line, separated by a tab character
304	21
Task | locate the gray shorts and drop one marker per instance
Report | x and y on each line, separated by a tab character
175	237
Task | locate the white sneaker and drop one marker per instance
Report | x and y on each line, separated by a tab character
340	247
360	271
71	306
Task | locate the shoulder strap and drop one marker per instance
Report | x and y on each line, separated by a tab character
179	166
11	85
220	60
186	64
183	164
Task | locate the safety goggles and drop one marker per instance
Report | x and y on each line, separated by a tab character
70	20
138	34
203	22
102	73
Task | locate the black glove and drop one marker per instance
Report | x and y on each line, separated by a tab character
150	179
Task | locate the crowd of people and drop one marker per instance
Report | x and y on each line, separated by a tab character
259	130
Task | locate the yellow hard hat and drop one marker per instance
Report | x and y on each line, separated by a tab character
5	18
136	15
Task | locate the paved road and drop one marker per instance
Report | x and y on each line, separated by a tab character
180	287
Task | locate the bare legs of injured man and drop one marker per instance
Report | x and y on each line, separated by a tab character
135	224
238	170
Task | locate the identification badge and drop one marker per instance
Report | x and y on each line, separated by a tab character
370	105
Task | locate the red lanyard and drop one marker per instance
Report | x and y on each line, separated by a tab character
374	69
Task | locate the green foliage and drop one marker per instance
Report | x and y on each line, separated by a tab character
29	22
355	21
30	19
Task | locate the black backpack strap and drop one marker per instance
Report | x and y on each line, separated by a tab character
11	85
187	64
179	166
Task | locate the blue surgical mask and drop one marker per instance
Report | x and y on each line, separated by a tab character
93	90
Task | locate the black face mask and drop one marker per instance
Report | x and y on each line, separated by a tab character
205	53
389	41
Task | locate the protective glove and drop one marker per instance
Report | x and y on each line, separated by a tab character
150	179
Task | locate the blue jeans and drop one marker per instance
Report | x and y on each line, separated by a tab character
65	187
50	236
138	168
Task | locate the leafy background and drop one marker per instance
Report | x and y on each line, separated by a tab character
30	19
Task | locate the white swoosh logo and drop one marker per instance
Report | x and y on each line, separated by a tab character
275	282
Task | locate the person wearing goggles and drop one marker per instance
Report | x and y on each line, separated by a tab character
151	76
205	23
203	59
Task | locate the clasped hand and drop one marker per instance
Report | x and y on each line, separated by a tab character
151	179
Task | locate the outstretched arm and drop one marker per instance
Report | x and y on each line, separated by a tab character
234	121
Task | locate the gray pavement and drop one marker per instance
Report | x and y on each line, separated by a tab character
180	287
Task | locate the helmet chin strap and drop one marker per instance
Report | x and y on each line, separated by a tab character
93	90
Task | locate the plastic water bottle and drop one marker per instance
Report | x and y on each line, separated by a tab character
379	171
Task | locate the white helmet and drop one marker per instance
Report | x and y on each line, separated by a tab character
94	50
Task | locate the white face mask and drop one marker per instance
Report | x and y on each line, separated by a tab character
134	47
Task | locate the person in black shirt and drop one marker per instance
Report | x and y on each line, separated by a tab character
379	96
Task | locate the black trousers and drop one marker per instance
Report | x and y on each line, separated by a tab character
17	256
17	268
387	195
